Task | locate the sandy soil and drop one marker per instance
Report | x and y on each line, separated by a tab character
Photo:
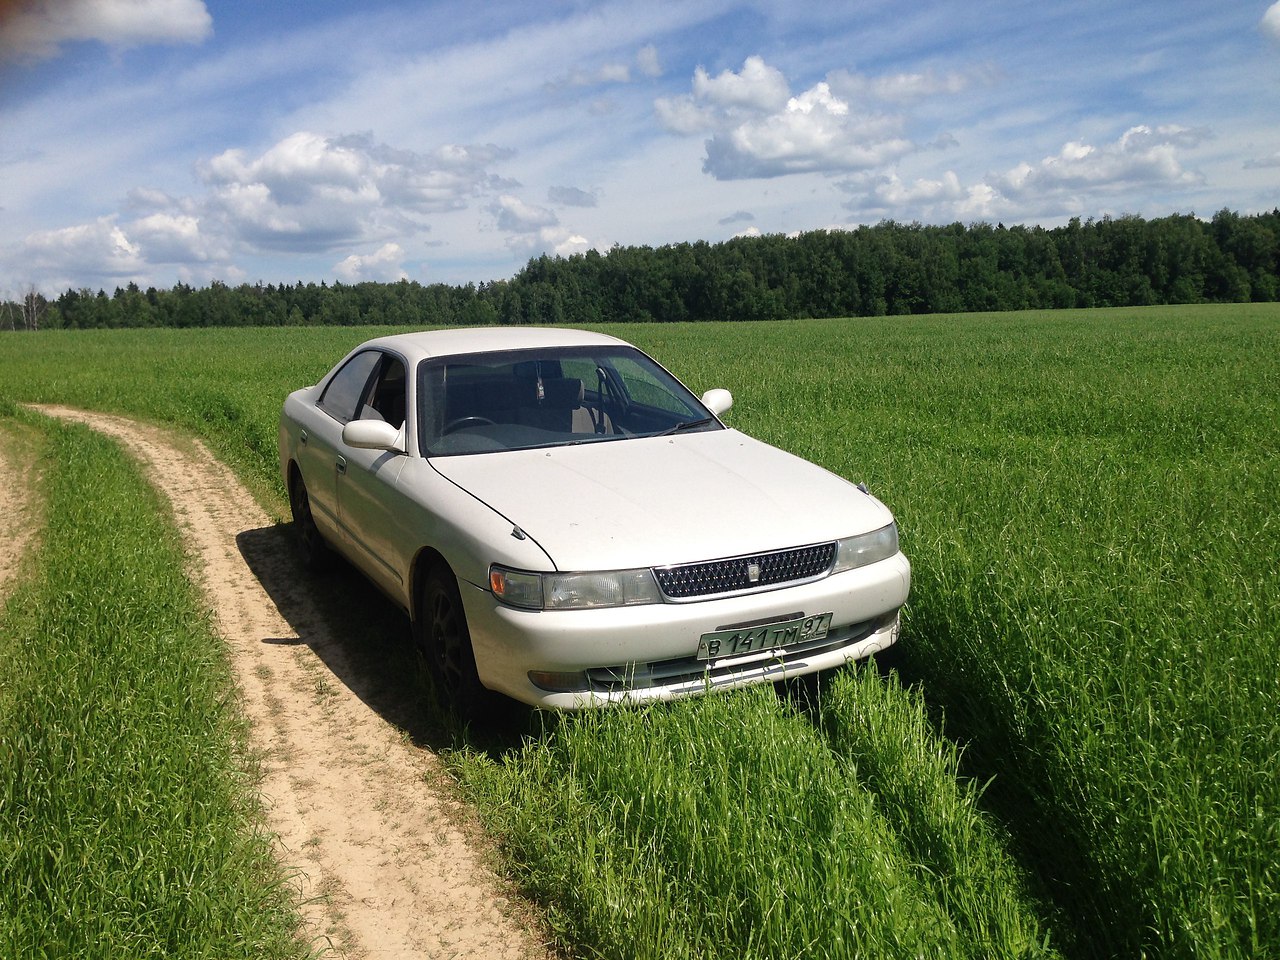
17	509
381	858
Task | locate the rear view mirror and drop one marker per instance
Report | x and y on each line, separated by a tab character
372	435
717	400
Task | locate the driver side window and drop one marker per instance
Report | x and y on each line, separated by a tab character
385	398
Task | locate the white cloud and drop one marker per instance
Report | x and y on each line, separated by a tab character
759	130
313	192
814	133
554	240
759	87
304	194
516	216
385	264
571	244
1141	155
894	192
39	27
174	238
1270	24
100	248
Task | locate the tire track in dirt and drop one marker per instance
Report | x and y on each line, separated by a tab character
18	520
381	867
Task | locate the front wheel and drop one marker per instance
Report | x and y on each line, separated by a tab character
311	546
441	634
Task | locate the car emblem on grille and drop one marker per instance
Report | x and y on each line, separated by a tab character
753	572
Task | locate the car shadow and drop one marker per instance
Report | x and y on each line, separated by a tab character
365	642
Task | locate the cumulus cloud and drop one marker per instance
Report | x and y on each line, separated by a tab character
35	29
814	132
553	239
516	216
175	238
1142	154
569	244
533	230
1270	24
99	248
758	87
740	216
929	199
304	194
385	264
315	192
758	129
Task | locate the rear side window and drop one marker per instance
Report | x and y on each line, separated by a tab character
345	391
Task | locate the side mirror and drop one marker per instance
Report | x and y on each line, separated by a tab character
717	400
372	435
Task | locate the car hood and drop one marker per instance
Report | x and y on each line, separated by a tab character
663	500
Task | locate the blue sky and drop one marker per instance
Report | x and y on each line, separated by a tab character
159	141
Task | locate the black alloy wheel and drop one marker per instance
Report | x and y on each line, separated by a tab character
311	546
440	631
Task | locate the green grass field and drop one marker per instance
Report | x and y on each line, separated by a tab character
129	826
1080	756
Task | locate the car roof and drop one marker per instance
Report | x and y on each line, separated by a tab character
456	340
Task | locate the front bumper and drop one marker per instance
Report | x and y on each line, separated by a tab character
648	652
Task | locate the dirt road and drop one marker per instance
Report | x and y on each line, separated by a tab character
382	865
17	506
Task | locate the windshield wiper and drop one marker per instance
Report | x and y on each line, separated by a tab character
685	425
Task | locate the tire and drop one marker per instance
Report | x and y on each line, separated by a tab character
312	549
441	634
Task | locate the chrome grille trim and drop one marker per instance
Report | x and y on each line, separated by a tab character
711	578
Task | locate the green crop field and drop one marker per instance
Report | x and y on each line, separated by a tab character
1078	755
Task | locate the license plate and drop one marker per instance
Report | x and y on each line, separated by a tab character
765	636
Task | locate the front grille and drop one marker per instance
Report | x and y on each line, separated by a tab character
735	575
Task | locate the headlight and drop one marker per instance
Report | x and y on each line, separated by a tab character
573	591
866	548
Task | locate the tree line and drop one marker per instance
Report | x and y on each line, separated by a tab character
887	269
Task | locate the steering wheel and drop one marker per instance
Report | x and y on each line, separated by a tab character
461	422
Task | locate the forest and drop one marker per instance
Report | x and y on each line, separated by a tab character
889	269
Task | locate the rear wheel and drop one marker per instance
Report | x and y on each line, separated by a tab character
311	546
440	631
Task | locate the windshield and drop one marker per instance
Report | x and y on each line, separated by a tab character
486	402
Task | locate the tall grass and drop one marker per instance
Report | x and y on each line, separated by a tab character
128	826
1088	499
731	827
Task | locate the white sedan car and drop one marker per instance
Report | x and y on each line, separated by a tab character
564	522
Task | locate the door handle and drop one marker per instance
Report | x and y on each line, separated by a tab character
302	438
342	465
